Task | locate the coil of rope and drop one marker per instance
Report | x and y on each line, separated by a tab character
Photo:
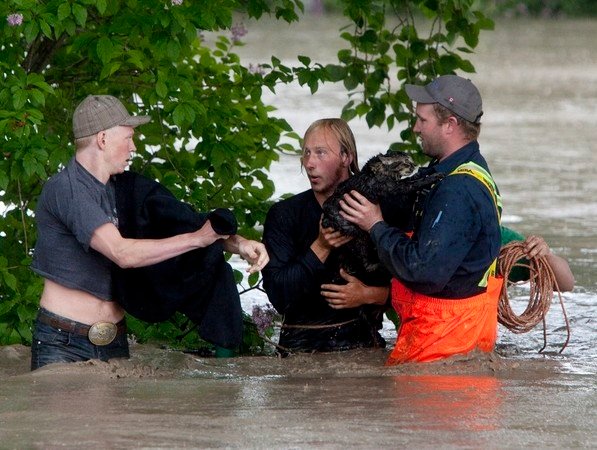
542	286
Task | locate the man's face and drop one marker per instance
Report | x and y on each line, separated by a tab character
430	131
326	167
119	148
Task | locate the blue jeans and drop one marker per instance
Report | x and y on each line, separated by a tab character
51	345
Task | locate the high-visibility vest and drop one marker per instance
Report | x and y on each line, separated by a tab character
475	170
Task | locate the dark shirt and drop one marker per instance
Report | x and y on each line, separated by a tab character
72	205
293	278
455	240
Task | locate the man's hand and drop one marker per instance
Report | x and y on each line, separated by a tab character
255	253
327	240
330	238
353	294
360	211
535	246
252	251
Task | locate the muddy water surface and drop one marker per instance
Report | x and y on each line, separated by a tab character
162	399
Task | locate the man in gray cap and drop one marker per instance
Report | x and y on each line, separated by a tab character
444	288
79	241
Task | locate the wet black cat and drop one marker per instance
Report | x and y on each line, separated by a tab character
389	180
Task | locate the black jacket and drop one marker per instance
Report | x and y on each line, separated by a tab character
199	283
293	278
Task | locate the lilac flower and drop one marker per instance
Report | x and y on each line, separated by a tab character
177	2
15	19
238	31
256	69
263	317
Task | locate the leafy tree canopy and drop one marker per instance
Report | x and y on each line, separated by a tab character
212	138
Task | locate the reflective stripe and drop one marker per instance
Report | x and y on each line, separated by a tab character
478	172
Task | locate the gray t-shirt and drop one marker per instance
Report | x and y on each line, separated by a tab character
72	205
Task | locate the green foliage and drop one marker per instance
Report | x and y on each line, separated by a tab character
401	41
179	333
212	138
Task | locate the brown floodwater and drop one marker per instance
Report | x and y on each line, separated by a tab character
166	399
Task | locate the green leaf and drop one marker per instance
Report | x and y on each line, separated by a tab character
173	50
4	180
64	11
105	48
31	30
183	114
32	165
305	60
80	14
351	82
136	58
466	66
38	97
19	99
70	26
5	306
161	89
101	6
335	72
253	279
45	28
109	70
38	81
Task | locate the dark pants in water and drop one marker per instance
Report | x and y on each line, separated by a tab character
56	345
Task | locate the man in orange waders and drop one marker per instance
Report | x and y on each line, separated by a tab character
444	289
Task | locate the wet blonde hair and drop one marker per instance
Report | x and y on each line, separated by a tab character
342	132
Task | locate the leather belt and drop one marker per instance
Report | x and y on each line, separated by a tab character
100	333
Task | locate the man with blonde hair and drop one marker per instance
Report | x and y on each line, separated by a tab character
319	315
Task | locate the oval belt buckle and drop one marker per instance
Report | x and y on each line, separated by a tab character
102	333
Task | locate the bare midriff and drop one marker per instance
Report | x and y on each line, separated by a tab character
79	305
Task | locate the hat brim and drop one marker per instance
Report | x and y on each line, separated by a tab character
418	94
135	121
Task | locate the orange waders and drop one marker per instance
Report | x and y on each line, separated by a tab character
434	328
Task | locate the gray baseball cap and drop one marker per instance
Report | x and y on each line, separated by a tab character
101	112
457	94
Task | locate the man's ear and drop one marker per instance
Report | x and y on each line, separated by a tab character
346	158
452	122
101	139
